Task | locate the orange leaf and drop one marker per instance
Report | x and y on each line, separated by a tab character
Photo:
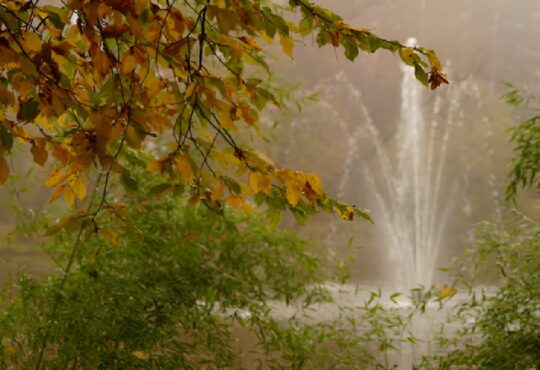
183	166
38	150
4	170
111	235
155	166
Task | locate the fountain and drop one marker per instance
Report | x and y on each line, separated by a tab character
428	170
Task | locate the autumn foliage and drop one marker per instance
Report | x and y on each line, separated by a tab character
168	86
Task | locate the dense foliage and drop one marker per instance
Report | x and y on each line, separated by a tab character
184	287
84	81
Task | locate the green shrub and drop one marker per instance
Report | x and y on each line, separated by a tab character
163	285
500	316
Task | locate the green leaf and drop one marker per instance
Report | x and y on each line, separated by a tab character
10	21
373	43
128	181
232	185
323	38
29	110
158	189
5	138
421	75
351	50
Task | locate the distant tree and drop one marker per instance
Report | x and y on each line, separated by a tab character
169	86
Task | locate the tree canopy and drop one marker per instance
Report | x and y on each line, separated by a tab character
168	86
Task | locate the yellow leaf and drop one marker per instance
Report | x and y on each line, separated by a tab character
190	89
293	193
57	193
315	182
31	42
249	41
140	6
266	38
141	355
259	182
225	121
69	197
78	185
183	166
129	63
217	192
220	4
446	291
4	170
55	178
287	44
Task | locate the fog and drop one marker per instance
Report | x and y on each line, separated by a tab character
483	45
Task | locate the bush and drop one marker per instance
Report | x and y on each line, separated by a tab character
161	284
500	317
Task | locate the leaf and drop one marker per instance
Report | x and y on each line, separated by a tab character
420	74
128	181
12	22
436	78
334	38
129	63
39	153
100	60
133	137
190	90
6	140
183	166
407	55
227	20
110	234
315	182
446	291
287	45
55	178
29	110
293	192
78	186
155	166
4	170
351	50
259	182
31	42
141	355
159	189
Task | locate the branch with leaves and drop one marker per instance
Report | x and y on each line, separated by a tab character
163	85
